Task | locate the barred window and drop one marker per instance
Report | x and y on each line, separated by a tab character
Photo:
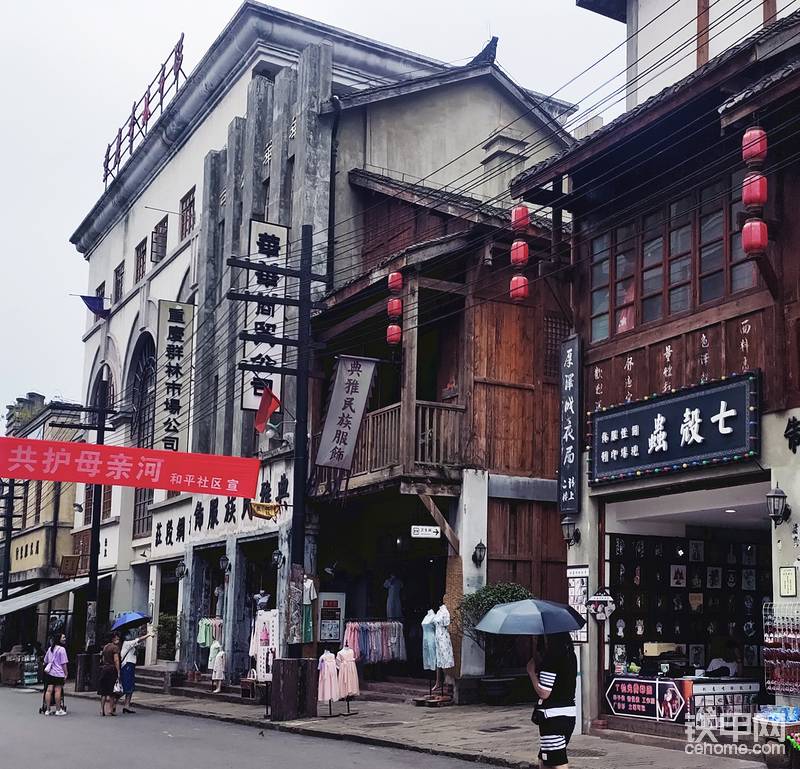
556	330
119	281
140	261
158	240
187	214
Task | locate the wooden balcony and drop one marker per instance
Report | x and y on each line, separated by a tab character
381	453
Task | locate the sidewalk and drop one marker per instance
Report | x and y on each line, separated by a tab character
503	736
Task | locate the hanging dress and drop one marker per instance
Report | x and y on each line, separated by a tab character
444	646
348	673
429	641
328	688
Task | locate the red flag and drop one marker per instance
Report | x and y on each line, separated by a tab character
269	404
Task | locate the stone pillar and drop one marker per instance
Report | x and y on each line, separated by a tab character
235	641
191	601
311	545
153	589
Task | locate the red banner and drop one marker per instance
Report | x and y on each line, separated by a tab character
34	460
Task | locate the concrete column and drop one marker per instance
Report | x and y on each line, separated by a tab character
311	544
154	588
235	626
471	526
179	624
208	273
190	603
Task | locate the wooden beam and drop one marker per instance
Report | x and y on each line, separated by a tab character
445	286
744	111
441	521
352	320
770	11
408	395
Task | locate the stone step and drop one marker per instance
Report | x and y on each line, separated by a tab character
370	696
206	694
149	688
646	740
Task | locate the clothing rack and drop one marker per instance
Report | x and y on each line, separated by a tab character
376	641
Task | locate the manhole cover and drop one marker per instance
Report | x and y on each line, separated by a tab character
382	725
585	753
493	729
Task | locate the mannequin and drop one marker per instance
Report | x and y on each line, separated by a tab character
218	672
394	607
444	646
429	641
328	690
309	596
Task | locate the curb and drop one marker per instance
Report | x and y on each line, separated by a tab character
305	731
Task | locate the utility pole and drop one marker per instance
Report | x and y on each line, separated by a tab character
101	411
301	422
8	528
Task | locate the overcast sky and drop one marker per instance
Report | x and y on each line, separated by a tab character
72	69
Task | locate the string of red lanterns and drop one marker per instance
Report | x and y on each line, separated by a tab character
394	308
520	220
755	234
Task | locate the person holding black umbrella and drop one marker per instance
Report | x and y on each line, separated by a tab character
554	680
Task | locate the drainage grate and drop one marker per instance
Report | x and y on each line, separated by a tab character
383	725
493	729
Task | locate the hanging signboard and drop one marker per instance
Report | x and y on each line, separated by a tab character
173	378
345	412
713	423
35	460
268	244
652	699
569	499
578	594
601	605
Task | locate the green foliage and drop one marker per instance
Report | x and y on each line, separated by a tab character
167	629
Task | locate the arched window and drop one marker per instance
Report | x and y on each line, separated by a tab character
143	407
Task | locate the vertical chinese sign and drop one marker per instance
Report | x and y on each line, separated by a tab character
569	502
345	411
269	246
173	380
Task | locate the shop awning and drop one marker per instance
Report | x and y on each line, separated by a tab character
11	605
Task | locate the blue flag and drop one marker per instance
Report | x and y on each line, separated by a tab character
95	305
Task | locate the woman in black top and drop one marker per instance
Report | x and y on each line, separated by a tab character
554	683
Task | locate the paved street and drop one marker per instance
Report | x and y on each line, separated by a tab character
165	741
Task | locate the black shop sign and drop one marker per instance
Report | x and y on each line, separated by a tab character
713	423
656	699
569	487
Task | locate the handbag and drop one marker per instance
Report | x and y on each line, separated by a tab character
48	667
117	687
538	716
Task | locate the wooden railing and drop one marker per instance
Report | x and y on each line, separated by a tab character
378	445
438	433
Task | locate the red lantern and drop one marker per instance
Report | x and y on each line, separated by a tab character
395	281
755	236
393	334
519	254
754	190
519	288
394	307
520	217
754	146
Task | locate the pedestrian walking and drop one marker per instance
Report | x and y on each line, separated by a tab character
127	675
109	687
43	708
554	680
55	670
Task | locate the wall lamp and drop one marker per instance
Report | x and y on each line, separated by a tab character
777	509
181	571
278	559
225	564
570	531
479	553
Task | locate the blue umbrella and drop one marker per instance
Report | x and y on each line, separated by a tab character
128	620
530	616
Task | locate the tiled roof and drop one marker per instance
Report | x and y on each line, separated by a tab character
664	96
774	77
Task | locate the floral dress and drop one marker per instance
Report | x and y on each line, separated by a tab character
444	646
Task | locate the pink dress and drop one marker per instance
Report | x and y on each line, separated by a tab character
348	673
328	688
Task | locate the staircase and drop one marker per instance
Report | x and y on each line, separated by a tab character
155	679
394	690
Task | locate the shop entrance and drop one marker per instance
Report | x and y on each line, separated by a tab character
167	611
367	553
210	589
689	574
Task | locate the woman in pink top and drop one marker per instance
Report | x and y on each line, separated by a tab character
55	670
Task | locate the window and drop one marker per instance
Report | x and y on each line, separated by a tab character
143	425
119	281
158	241
101	290
187	213
140	261
88	504
556	330
687	254
25	505
37	502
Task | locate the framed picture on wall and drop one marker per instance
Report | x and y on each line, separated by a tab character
697	550
748	579
714	577
677	575
788	582
748	555
697	655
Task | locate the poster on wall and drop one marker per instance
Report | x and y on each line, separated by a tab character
569	498
655	700
578	595
173	377
268	244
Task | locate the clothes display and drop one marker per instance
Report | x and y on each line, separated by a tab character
213	651
218	669
373	642
309	596
444	646
264	641
328	689
219	593
348	673
429	641
394	607
208	631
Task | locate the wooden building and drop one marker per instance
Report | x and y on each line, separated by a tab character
676	306
457	432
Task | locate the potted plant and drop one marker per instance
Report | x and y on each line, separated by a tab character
498	650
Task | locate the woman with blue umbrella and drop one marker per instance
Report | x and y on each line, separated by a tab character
554	677
130	624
